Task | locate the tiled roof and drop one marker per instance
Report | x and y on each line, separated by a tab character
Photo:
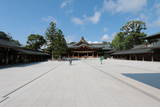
30	52
7	43
134	51
21	50
153	36
103	46
83	42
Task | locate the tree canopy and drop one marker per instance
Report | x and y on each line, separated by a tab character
55	41
118	42
134	26
35	41
131	35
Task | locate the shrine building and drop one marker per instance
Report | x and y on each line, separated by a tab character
83	49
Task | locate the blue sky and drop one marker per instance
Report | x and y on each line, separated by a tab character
96	20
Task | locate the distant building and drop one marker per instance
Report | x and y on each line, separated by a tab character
147	52
10	53
83	49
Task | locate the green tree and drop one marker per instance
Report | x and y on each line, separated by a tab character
134	26
134	39
35	41
131	35
59	44
118	42
55	40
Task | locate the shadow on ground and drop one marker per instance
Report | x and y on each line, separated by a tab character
152	79
18	65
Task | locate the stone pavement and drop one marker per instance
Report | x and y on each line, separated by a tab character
86	83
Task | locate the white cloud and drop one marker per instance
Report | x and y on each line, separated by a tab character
105	29
107	37
124	5
153	16
77	21
158	22
66	3
113	35
155	23
95	18
69	11
114	6
143	17
93	42
157	7
49	19
69	39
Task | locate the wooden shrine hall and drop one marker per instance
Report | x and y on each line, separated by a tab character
83	49
143	52
10	53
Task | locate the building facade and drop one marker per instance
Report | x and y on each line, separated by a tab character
145	52
10	53
83	49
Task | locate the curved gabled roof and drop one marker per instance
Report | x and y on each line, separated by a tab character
82	41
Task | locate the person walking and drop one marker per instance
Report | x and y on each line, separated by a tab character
101	59
70	61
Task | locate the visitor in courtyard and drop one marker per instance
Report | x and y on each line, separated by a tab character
70	61
101	59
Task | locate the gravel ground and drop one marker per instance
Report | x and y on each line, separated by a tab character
86	83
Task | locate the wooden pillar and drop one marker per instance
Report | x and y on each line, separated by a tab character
129	57
30	58
26	59
152	58
72	54
143	58
12	58
16	58
7	56
135	57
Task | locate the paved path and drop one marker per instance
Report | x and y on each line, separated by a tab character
86	83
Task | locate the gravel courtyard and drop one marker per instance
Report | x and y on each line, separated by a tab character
86	83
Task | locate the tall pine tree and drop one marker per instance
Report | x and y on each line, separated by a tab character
55	40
